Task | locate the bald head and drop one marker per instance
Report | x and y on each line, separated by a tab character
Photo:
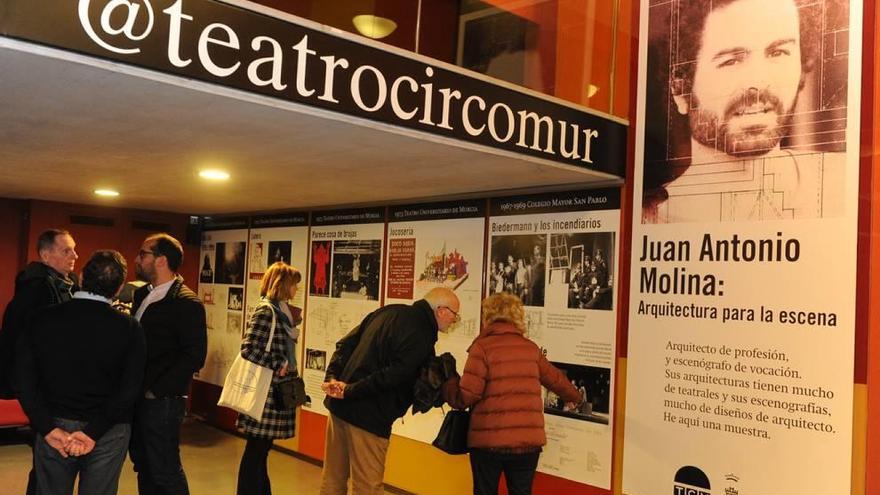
446	306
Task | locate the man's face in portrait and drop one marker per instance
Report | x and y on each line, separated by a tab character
747	77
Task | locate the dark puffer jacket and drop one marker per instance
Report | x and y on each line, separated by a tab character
502	384
36	287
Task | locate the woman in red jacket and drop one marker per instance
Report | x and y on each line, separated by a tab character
502	383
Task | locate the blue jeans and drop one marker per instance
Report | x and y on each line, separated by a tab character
155	446
98	470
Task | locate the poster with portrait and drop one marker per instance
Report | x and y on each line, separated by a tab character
746	190
559	253
345	259
223	252
274	238
437	245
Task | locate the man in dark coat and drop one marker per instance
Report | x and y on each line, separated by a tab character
369	384
173	319
78	372
42	283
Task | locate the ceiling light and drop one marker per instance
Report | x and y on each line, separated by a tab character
592	89
214	174
373	26
107	193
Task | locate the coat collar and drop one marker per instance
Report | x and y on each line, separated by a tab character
499	328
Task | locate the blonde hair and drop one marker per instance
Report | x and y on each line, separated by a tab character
504	307
278	280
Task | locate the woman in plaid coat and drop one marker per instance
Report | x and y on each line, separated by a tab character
279	284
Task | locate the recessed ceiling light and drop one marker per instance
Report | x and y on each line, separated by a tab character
373	26
107	193
592	89
214	174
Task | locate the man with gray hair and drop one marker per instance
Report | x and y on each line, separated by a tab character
49	280
78	373
369	384
42	283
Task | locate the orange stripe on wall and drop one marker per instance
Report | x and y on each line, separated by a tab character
311	428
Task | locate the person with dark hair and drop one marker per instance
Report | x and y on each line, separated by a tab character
50	280
78	375
173	319
737	68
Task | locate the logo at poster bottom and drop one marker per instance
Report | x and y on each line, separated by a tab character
691	480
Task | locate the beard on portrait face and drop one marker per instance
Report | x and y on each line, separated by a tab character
726	136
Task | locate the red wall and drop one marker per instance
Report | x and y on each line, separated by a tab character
12	246
121	236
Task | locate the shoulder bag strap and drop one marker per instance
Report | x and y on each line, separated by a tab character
271	332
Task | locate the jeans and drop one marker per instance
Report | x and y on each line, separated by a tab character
155	446
519	471
98	470
253	473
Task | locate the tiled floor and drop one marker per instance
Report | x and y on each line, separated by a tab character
210	458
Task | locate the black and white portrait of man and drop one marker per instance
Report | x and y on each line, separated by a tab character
745	110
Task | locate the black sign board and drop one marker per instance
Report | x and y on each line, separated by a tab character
349	217
226	223
473	208
231	46
280	220
587	200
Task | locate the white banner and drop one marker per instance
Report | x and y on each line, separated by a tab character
344	286
221	289
741	327
562	260
267	246
431	253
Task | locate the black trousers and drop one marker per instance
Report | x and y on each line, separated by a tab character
253	473
518	469
155	446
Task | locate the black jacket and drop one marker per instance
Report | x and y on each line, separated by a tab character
81	360
177	339
379	360
36	287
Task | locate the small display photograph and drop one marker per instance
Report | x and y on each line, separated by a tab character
316	359
279	251
206	276
233	323
356	269
518	266
322	251
229	258
594	383
444	267
583	261
235	300
207	295
256	266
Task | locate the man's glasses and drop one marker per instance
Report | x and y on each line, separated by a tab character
142	254
457	316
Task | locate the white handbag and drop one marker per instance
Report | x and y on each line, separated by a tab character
247	384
